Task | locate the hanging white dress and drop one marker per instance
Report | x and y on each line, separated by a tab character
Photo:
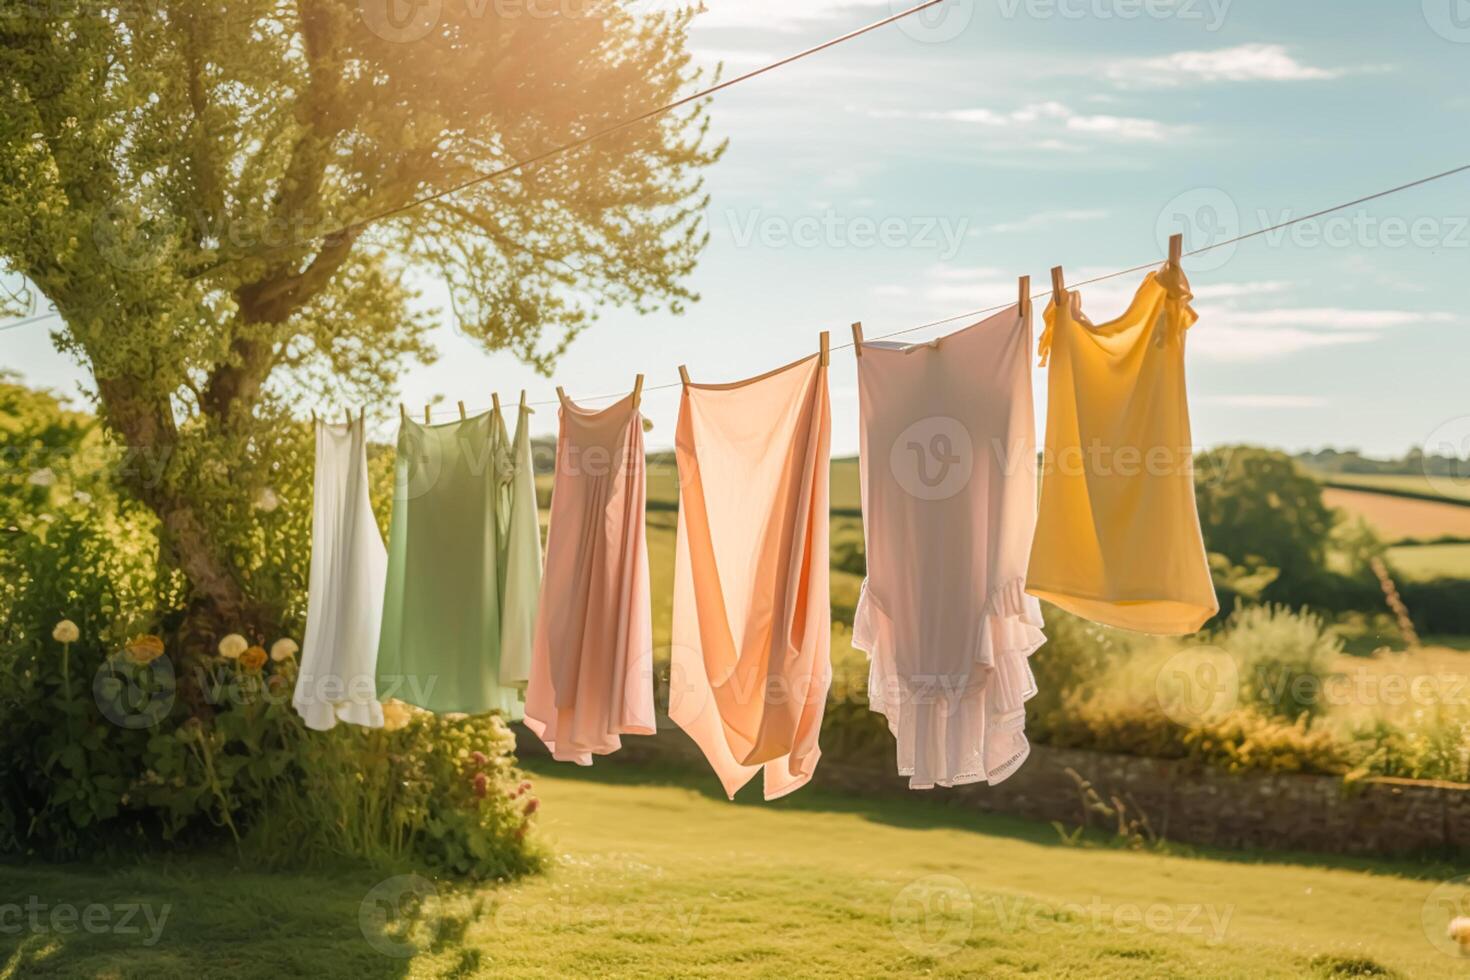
345	600
948	470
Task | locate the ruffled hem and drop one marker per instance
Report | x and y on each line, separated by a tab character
962	727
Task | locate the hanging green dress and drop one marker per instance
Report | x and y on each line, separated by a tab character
464	568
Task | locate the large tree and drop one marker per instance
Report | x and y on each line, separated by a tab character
194	186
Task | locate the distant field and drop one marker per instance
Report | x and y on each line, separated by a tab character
1406	483
1426	561
1400	518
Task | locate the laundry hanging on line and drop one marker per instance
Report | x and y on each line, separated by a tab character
1118	538
464	567
943	602
344	606
592	664
752	625
948	475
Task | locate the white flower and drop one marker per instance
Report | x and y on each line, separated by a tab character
283	649
82	497
66	632
44	477
232	646
267	500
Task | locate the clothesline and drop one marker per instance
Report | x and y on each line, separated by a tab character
1043	294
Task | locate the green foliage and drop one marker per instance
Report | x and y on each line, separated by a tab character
440	792
1439	606
1284	658
1437	748
105	751
195	193
1257	507
1241	741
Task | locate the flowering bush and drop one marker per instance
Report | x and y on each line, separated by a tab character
99	754
116	735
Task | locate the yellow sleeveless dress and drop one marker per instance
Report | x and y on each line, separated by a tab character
1118	537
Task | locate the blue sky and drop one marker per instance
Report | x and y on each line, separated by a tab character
913	173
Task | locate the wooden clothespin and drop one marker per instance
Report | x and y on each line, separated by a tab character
428	415
684	374
362	415
313	416
1176	250
826	341
1024	303
561	393
857	339
1058	286
495	400
403	410
637	391
461	411
347	412
524	404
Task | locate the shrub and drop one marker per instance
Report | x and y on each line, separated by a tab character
1438	607
101	752
1284	658
1241	741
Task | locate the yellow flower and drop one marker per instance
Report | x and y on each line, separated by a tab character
144	649
283	649
395	715
253	658
66	632
232	646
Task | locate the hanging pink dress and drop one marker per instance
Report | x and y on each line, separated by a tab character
592	666
949	505
752	629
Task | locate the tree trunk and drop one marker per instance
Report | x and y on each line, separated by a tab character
218	601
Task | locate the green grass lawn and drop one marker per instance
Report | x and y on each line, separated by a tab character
652	878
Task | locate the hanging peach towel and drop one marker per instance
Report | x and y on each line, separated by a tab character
592	669
752	628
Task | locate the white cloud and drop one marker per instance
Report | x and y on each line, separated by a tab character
1231	335
1331	318
1044	116
1243	63
1223	342
735	58
1042	219
1267	401
774	15
1232	290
